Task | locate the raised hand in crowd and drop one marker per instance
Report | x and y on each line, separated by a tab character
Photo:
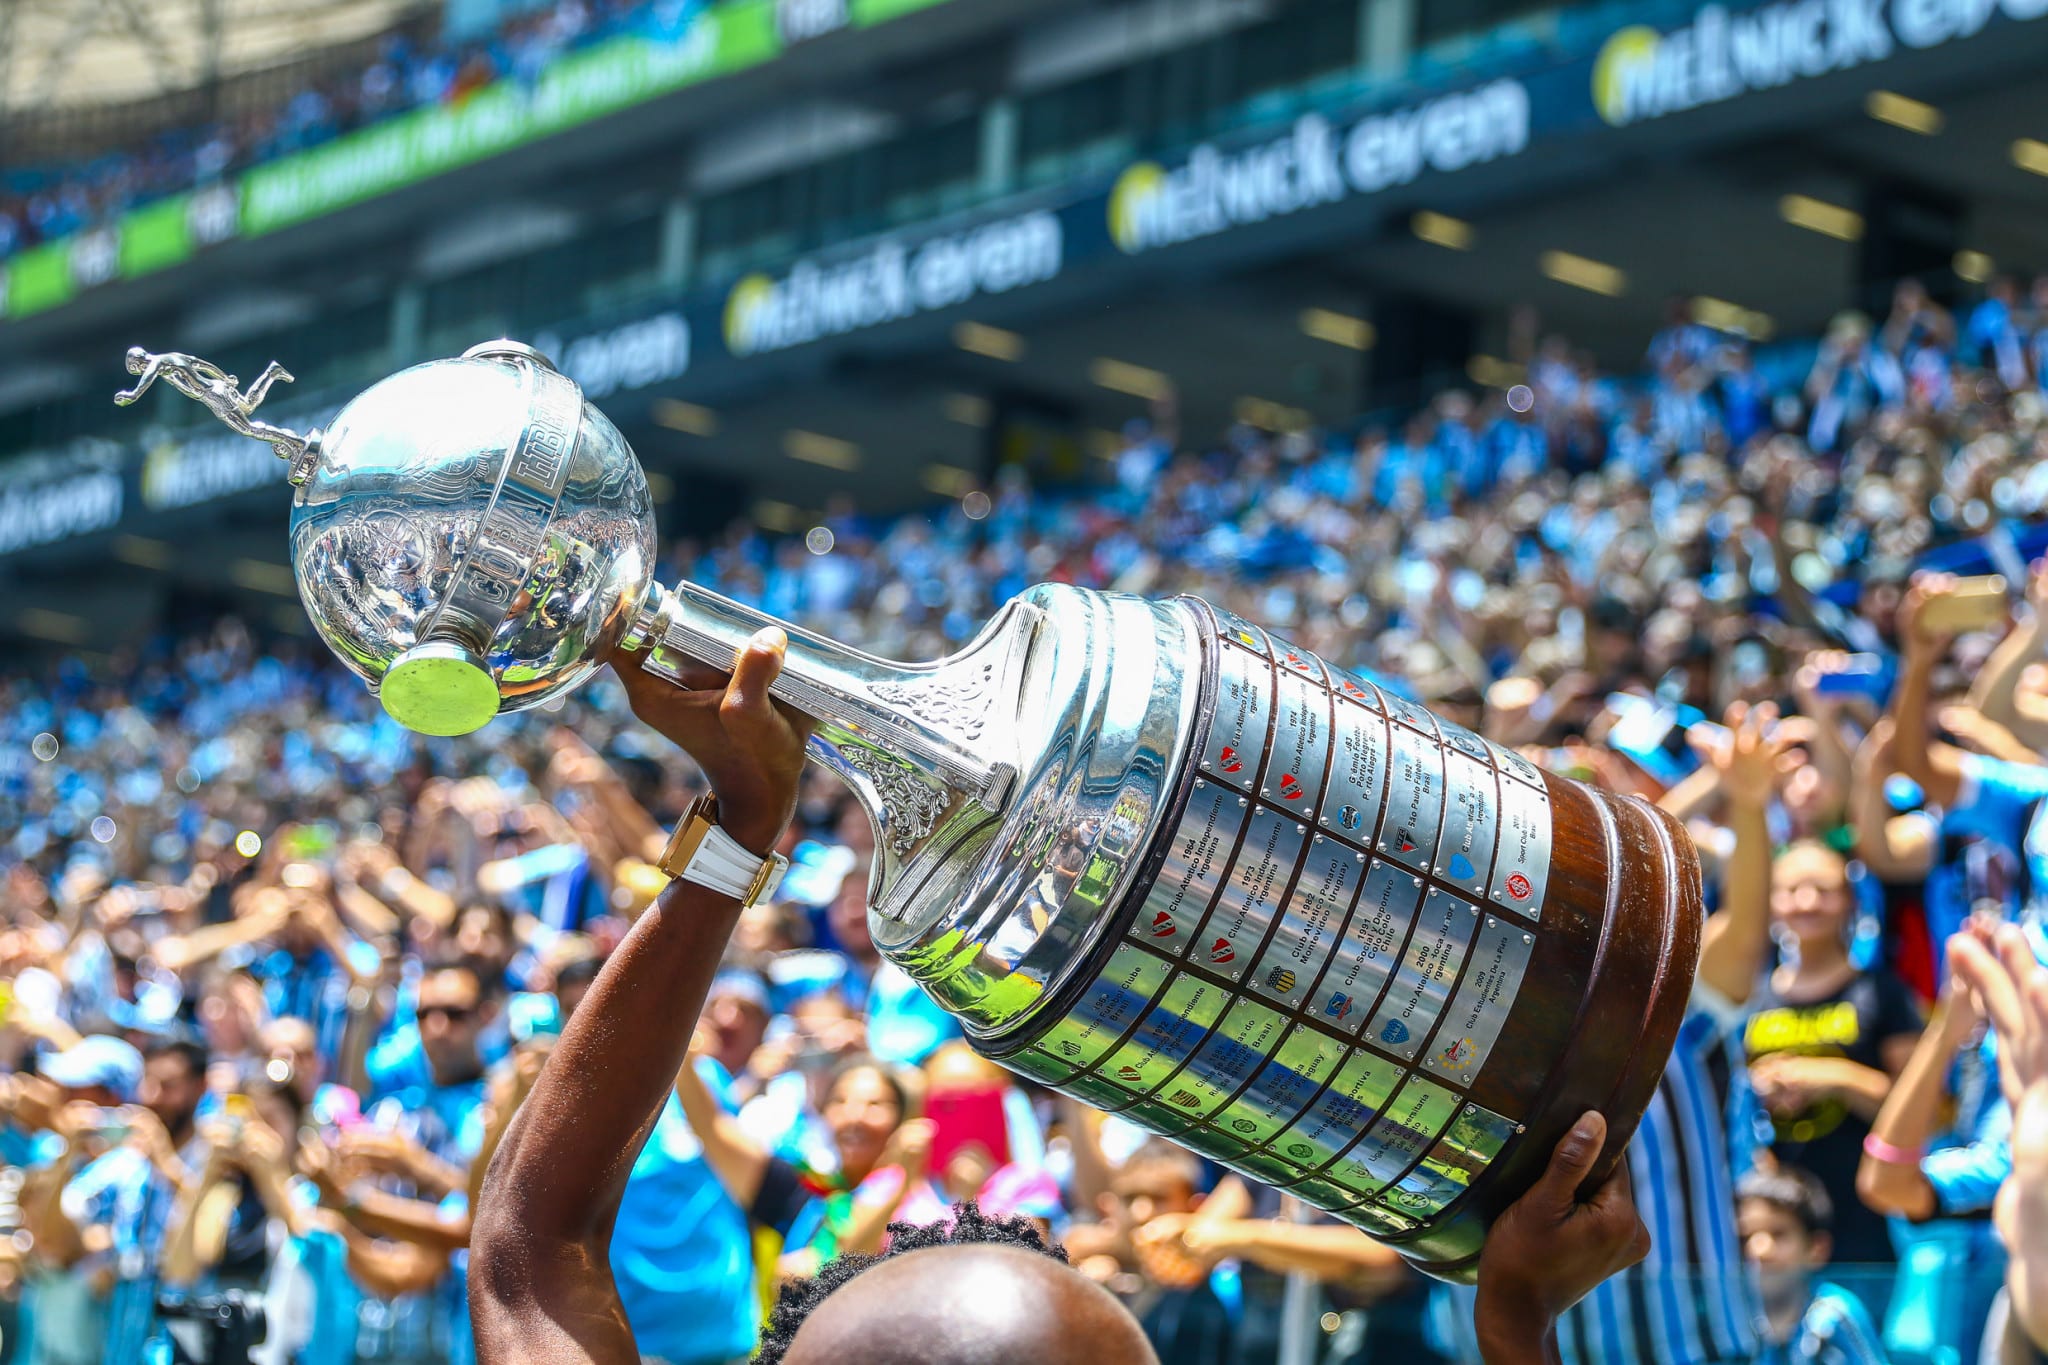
2010	986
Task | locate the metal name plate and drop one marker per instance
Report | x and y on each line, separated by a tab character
1408	713
1283	1087
1410	1122
1480	1008
1236	1049
1514	765
1422	986
1355	689
1192	872
1464	851
1310	923
1293	657
1236	629
1353	1100
1464	741
1415	799
1110	1005
1522	871
1370	945
1229	941
1301	745
1237	732
1168	1035
1467	1147
1358	777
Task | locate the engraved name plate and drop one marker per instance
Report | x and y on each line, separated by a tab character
1464	851
1370	945
1353	1100
1237	731
1107	1008
1408	713
1355	689
1294	658
1309	923
1514	765
1301	745
1229	941
1192	872
1168	1035
1521	872
1484	997
1407	1126
1473	1140
1283	1086
1415	799
1358	777
1422	986
1234	1051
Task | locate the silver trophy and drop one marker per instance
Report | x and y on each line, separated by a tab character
1145	852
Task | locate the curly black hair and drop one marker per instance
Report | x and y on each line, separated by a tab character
969	1226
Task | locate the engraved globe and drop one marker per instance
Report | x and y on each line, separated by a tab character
414	502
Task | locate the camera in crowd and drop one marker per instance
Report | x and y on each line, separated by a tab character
211	1329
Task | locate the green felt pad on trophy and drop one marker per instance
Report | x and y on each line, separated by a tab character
439	688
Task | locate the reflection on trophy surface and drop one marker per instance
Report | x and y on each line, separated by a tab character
1149	854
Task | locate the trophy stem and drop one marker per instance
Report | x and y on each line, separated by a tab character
914	741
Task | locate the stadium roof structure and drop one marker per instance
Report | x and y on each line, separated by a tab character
61	56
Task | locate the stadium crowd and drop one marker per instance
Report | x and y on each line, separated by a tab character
42	202
277	974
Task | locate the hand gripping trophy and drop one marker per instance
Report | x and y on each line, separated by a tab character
1148	854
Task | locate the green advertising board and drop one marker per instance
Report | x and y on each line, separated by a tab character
582	86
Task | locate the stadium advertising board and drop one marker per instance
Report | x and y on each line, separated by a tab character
897	277
1314	163
1642	74
610	76
70	492
650	351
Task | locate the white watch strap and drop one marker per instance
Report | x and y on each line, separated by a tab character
721	864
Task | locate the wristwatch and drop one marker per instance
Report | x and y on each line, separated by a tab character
699	851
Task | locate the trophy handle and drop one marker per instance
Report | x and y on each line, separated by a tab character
925	747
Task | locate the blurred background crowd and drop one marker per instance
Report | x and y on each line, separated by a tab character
277	973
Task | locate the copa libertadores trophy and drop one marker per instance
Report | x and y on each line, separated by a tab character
1146	852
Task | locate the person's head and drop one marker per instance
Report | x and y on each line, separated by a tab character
847	917
864	1105
1158	1178
451	1011
280	1106
173	1083
961	1293
572	982
291	1041
736	1016
1810	896
1783	1217
98	1069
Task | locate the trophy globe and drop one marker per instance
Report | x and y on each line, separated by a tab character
473	538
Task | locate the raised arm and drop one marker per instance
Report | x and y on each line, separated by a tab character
541	1287
736	1159
1890	1179
1749	758
1936	767
1997	682
1896	848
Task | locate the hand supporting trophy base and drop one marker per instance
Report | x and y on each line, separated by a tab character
1145	852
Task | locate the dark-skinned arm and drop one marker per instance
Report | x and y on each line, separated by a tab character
1550	1248
541	1285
